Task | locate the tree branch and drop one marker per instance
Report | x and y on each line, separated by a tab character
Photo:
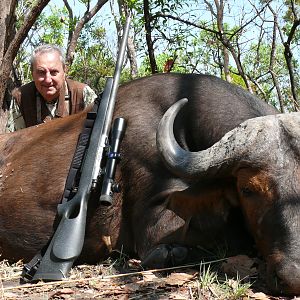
149	41
88	15
71	21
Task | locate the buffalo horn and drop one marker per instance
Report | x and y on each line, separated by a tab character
234	148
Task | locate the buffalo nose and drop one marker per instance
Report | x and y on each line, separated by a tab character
286	278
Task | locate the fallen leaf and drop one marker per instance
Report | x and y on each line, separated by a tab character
178	278
178	296
132	287
241	264
60	293
9	295
259	296
149	276
233	284
134	263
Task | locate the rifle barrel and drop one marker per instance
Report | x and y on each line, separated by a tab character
67	241
117	72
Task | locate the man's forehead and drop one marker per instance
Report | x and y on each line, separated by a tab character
48	60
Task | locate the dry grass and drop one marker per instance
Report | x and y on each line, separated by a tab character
115	279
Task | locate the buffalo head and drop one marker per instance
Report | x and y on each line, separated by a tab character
262	157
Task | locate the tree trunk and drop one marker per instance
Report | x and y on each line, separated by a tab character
150	46
7	32
7	22
88	15
272	63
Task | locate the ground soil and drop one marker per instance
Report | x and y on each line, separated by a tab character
126	280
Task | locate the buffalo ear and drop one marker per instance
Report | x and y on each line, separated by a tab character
215	197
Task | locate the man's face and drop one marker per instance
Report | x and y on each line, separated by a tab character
48	74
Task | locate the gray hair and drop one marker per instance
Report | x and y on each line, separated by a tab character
47	48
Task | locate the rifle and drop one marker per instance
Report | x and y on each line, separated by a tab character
67	241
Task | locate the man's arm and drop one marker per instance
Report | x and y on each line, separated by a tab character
15	120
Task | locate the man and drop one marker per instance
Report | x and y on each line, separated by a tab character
50	94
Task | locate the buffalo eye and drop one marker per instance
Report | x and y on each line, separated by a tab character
247	192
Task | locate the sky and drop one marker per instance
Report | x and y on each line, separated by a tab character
103	16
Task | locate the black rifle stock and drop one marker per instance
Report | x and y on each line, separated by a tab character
67	241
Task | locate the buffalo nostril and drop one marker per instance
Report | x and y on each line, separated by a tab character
277	285
157	257
179	255
286	278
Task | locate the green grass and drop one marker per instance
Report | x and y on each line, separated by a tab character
211	285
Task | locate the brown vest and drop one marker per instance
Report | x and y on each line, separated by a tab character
26	98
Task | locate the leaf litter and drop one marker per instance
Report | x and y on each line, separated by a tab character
109	280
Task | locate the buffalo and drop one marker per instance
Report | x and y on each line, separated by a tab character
211	175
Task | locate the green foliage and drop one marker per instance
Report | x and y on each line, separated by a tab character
238	80
161	60
195	50
290	17
207	277
230	288
93	61
169	37
257	62
22	8
54	26
22	66
234	289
